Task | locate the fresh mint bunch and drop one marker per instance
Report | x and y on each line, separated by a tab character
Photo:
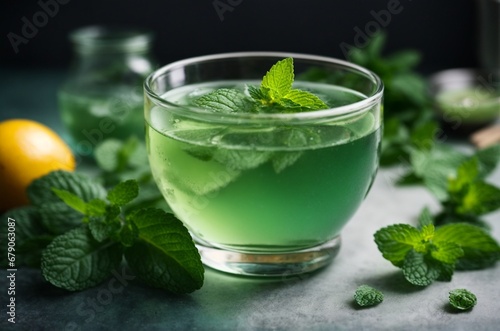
457	180
407	103
426	254
366	296
83	250
275	95
462	299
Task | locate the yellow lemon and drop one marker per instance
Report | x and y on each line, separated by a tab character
28	150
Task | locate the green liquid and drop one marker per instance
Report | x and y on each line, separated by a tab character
472	105
93	116
233	193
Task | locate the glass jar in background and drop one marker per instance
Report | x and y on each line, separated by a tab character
102	97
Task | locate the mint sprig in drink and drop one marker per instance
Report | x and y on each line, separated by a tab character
265	171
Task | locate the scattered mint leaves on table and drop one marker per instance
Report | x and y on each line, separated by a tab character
429	254
462	299
366	296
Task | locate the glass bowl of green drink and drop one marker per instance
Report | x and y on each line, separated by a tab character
264	156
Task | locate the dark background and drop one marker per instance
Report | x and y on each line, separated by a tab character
443	31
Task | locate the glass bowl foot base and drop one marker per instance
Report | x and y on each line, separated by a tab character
274	264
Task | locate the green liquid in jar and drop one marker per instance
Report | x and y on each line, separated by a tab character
93	116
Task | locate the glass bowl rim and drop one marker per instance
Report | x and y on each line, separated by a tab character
200	113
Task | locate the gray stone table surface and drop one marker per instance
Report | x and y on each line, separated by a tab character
319	301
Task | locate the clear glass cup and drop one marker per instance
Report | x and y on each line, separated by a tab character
102	96
264	194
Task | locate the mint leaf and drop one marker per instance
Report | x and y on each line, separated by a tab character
282	160
256	93
396	241
278	80
225	101
276	88
488	159
368	296
241	159
480	249
404	60
128	234
423	136
40	190
446	272
418	270
164	255
102	230
58	217
123	193
462	299
481	198
425	218
275	95
71	200
299	98
96	207
467	173
423	256
76	261
446	252
435	167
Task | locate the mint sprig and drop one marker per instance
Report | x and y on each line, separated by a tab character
164	254
428	254
457	180
84	252
156	244
276	89
275	95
